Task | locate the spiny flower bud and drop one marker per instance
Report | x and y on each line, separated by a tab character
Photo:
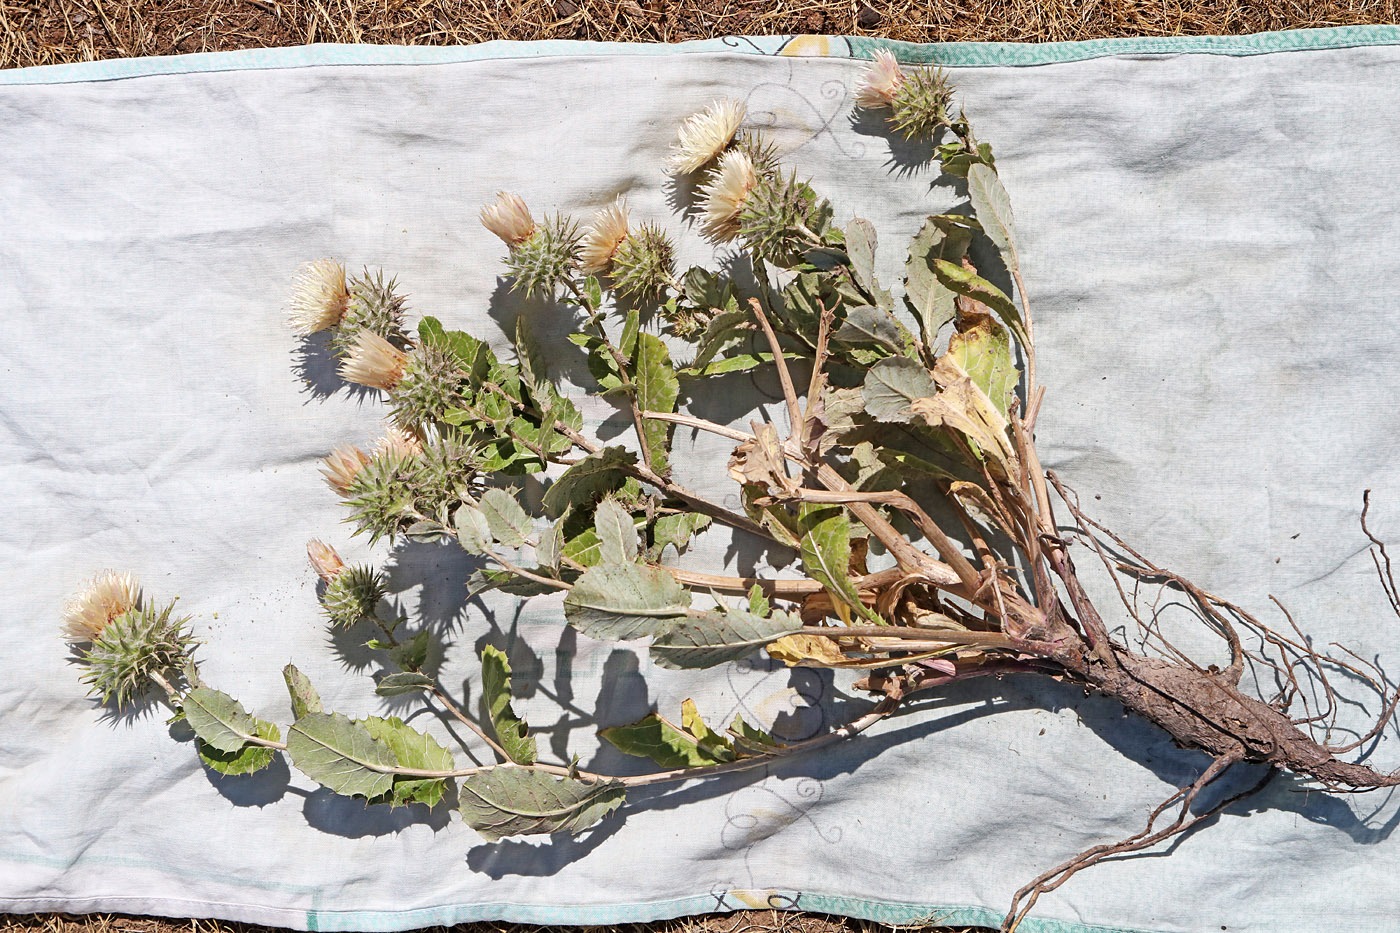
373	362
645	262
880	82
376	306
542	262
107	596
725	195
319	297
604	235
429	387
704	135
352	595
342	466
398	443
779	217
324	558
509	219
920	103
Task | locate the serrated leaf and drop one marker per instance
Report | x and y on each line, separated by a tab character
616	602
473	530
533	371
942	236
593	291
409	655
723	329
305	699
588	480
585	548
631	326
218	719
993	207
676	530
246	760
966	282
739	363
984	352
714	637
892	384
392	685
870	326
713	743
617	534
826	552
511	731
504	802
508	522
860	247
550	548
665	743
412	749
758	602
751	739
657	390
339	753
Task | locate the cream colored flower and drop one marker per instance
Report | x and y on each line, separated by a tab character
509	219
106	597
342	466
397	442
319	297
725	195
604	236
324	558
880	82
373	361
705	135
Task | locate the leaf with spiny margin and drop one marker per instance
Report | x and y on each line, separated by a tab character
631	326
393	685
511	731
338	753
617	534
305	699
676	530
551	546
933	304
993	207
247	759
665	743
588	480
860	247
533	371
826	551
968	283
473	530
723	329
585	548
868	326
740	363
502	802
892	384
657	390
714	637
751	740
413	749
617	602
474	355
218	719
984	351
714	743
758	602
507	520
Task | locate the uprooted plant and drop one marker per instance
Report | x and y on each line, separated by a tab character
891	417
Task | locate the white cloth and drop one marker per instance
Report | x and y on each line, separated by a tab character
1209	244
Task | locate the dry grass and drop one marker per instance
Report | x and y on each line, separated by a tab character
43	32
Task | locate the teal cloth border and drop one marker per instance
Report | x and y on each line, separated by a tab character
952	54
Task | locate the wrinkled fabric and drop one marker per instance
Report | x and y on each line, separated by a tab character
1209	246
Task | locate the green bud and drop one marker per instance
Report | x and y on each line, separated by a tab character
352	595
920	104
136	644
429	387
374	305
546	259
644	264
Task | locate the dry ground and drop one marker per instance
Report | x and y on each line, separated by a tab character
44	32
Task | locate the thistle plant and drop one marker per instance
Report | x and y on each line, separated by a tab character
899	406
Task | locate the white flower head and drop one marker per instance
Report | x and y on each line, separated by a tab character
107	596
324	558
509	219
704	135
373	362
725	195
880	82
342	466
398	443
603	237
319	297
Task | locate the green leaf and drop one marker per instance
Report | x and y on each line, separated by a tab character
739	363
631	326
714	637
474	355
341	754
758	602
751	739
657	389
409	655
593	292
933	303
588	480
676	530
969	283
218	719
245	760
507	520
826	551
517	801
412	749
511	731
617	534
993	207
860	247
984	351
711	742
305	699
473	530
392	685
892	384
724	328
585	548
667	744
548	551
869	326
617	602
